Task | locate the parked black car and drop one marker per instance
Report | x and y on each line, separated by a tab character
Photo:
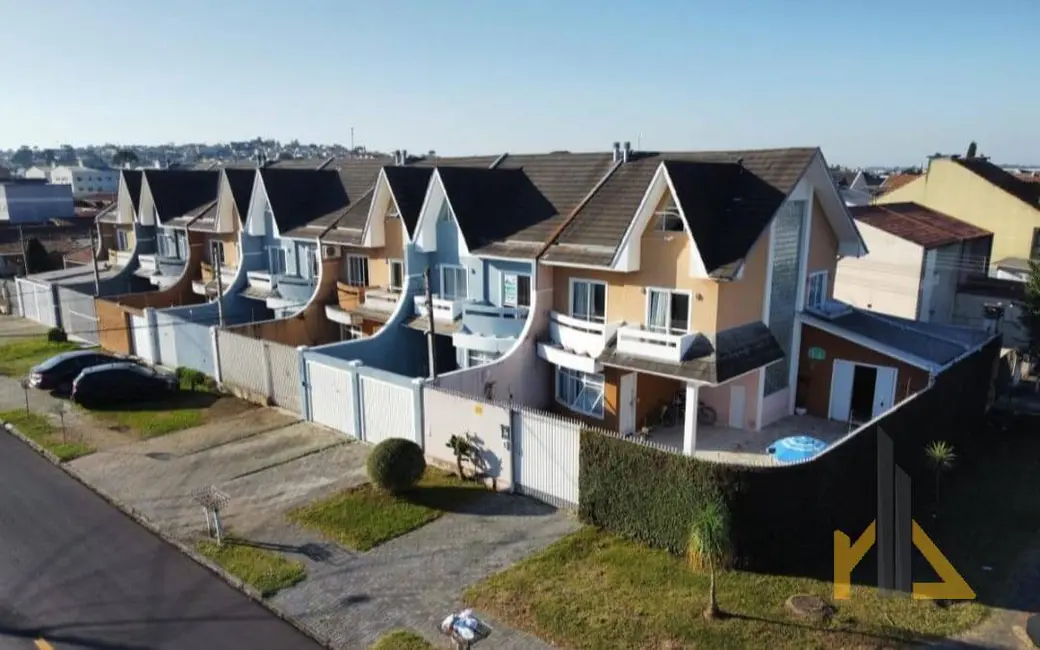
58	372
119	383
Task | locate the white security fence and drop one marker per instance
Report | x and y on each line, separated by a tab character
362	402
260	370
37	301
78	316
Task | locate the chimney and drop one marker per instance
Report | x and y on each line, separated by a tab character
626	153
404	156
617	151
397	156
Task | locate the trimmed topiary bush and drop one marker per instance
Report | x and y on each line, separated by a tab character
57	335
396	465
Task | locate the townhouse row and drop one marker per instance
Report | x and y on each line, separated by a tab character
688	295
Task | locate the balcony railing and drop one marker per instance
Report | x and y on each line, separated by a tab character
381	299
641	342
259	280
482	309
581	336
119	258
444	309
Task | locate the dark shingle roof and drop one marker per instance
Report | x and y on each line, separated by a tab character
916	223
300	196
132	178
493	205
408	185
1023	191
178	192
727	204
734	352
241	182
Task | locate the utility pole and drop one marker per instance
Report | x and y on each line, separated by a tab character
93	261
220	283
430	333
351	139
25	254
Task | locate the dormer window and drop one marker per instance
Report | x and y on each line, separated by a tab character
667	219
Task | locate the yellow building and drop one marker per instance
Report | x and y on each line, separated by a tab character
978	192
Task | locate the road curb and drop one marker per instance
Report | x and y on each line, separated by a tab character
146	523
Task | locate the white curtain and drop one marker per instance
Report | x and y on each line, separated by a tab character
580	308
658	321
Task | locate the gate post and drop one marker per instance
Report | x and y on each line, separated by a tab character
265	356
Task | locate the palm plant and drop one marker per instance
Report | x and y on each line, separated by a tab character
709	545
941	457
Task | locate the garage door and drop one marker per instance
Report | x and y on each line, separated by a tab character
330	392
141	336
37	302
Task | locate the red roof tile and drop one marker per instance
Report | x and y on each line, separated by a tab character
917	224
895	181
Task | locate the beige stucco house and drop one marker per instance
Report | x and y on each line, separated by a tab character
980	193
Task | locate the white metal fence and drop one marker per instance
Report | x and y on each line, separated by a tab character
331	395
78	317
545	457
387	411
37	301
260	370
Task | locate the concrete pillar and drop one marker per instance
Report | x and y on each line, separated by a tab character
305	393
355	395
690	425
417	411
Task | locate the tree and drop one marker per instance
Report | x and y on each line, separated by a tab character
1030	313
23	157
972	150
709	544
37	258
124	157
941	457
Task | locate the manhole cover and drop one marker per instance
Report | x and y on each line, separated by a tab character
159	455
1033	629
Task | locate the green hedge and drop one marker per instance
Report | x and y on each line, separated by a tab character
643	493
782	518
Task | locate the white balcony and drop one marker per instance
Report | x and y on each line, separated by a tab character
121	258
445	310
147	264
641	342
580	336
381	299
259	280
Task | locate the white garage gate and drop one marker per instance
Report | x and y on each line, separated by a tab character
330	392
388	411
37	300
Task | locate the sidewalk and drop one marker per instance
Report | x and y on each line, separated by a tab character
271	464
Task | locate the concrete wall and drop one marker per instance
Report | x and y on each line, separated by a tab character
887	280
968	311
446	414
950	188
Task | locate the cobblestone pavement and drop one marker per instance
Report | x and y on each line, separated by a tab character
268	462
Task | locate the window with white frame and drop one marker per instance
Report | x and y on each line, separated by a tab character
357	270
816	295
668	312
476	358
396	275
216	252
453	282
516	290
350	333
276	256
581	392
668	219
122	240
589	301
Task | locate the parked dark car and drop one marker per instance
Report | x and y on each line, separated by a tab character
120	383
58	372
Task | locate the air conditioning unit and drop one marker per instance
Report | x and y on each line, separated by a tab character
331	252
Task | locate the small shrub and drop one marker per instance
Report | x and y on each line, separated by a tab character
190	378
57	335
396	465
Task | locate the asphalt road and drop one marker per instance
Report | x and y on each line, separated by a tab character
77	573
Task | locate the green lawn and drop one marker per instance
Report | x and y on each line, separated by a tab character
596	590
17	357
266	571
152	420
37	427
365	516
402	640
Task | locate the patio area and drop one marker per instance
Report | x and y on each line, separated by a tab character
738	446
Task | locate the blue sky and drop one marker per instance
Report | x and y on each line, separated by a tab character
884	81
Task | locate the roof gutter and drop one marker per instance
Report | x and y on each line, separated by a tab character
574	213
